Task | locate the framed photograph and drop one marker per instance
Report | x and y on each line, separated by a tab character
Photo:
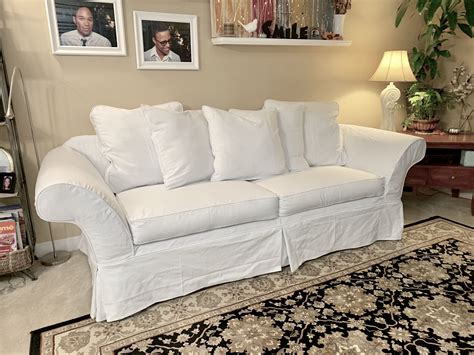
166	41
86	27
7	181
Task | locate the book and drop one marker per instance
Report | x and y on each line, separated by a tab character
8	239
16	212
19	239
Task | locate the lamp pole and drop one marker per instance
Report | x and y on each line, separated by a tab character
55	257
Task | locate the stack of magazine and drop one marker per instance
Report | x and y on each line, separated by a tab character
12	229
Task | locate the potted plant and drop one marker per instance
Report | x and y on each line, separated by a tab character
425	102
340	10
442	18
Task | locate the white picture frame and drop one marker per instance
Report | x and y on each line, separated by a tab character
182	41
107	35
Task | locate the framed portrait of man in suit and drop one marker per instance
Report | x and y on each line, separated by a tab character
166	41
86	27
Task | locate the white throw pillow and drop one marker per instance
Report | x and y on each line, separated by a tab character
246	146
125	140
291	123
322	135
181	140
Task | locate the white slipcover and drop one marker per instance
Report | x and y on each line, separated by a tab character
321	187
155	213
290	125
246	145
383	153
181	141
323	143
90	147
125	140
128	277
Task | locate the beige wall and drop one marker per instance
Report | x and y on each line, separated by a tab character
62	89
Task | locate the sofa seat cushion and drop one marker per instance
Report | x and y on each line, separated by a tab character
155	213
322	187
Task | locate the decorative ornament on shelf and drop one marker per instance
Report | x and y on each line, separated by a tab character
277	19
461	86
340	9
250	27
394	67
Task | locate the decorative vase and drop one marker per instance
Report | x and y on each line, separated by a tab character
338	24
424	126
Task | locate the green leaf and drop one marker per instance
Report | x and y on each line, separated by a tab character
437	33
469	6
445	5
466	29
418	65
402	9
415	57
433	68
421	5
444	53
432	8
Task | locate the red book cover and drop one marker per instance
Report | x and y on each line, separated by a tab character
7	236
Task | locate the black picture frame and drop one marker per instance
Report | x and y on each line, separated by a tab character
7	183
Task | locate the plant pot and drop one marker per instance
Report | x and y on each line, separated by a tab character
338	24
424	126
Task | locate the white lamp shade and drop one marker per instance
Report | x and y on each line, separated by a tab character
393	67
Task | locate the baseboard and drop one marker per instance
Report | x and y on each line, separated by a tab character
68	244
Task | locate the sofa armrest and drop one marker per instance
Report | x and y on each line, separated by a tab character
70	190
383	153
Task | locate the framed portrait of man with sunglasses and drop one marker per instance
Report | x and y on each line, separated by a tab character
166	41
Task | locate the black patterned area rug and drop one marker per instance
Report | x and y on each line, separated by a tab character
409	296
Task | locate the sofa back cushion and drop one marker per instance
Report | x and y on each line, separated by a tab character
125	140
181	141
291	127
246	144
322	136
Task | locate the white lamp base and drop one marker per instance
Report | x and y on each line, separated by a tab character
389	98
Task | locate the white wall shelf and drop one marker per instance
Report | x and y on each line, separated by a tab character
252	41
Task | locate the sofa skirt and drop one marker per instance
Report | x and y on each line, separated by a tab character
171	268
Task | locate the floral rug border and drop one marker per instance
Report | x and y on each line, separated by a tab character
48	333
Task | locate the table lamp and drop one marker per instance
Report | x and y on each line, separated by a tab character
394	66
55	257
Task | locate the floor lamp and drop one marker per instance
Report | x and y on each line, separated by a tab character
393	67
55	257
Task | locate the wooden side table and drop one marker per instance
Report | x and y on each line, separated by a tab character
441	166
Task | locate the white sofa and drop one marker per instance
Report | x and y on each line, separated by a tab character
150	244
